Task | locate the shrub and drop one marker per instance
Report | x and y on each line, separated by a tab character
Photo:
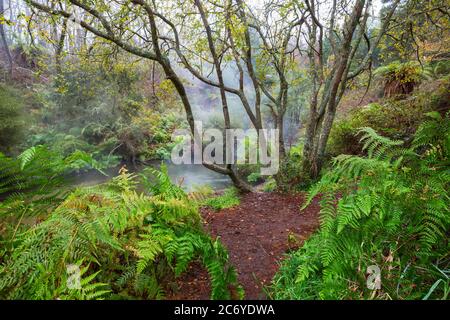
270	185
103	110
254	177
201	193
400	78
36	181
290	175
228	199
396	119
389	209
12	118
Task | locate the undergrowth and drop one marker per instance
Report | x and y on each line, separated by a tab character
228	199
124	244
395	119
388	210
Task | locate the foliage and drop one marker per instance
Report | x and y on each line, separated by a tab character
12	118
103	110
253	177
403	72
228	199
270	185
437	69
389	209
36	180
252	172
400	78
291	175
125	243
396	119
422	32
201	193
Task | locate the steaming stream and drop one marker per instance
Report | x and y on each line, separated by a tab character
186	175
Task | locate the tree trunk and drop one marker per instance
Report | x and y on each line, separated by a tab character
238	182
5	42
280	127
60	47
321	120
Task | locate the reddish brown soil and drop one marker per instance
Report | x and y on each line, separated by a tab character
256	233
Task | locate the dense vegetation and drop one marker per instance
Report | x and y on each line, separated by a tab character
392	117
388	209
124	242
360	100
12	115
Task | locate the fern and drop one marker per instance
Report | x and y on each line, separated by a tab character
36	181
389	209
129	243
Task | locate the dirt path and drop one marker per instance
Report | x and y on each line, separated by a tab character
257	233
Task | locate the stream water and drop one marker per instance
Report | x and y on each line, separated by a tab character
186	175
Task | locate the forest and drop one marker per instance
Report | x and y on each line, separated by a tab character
322	171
